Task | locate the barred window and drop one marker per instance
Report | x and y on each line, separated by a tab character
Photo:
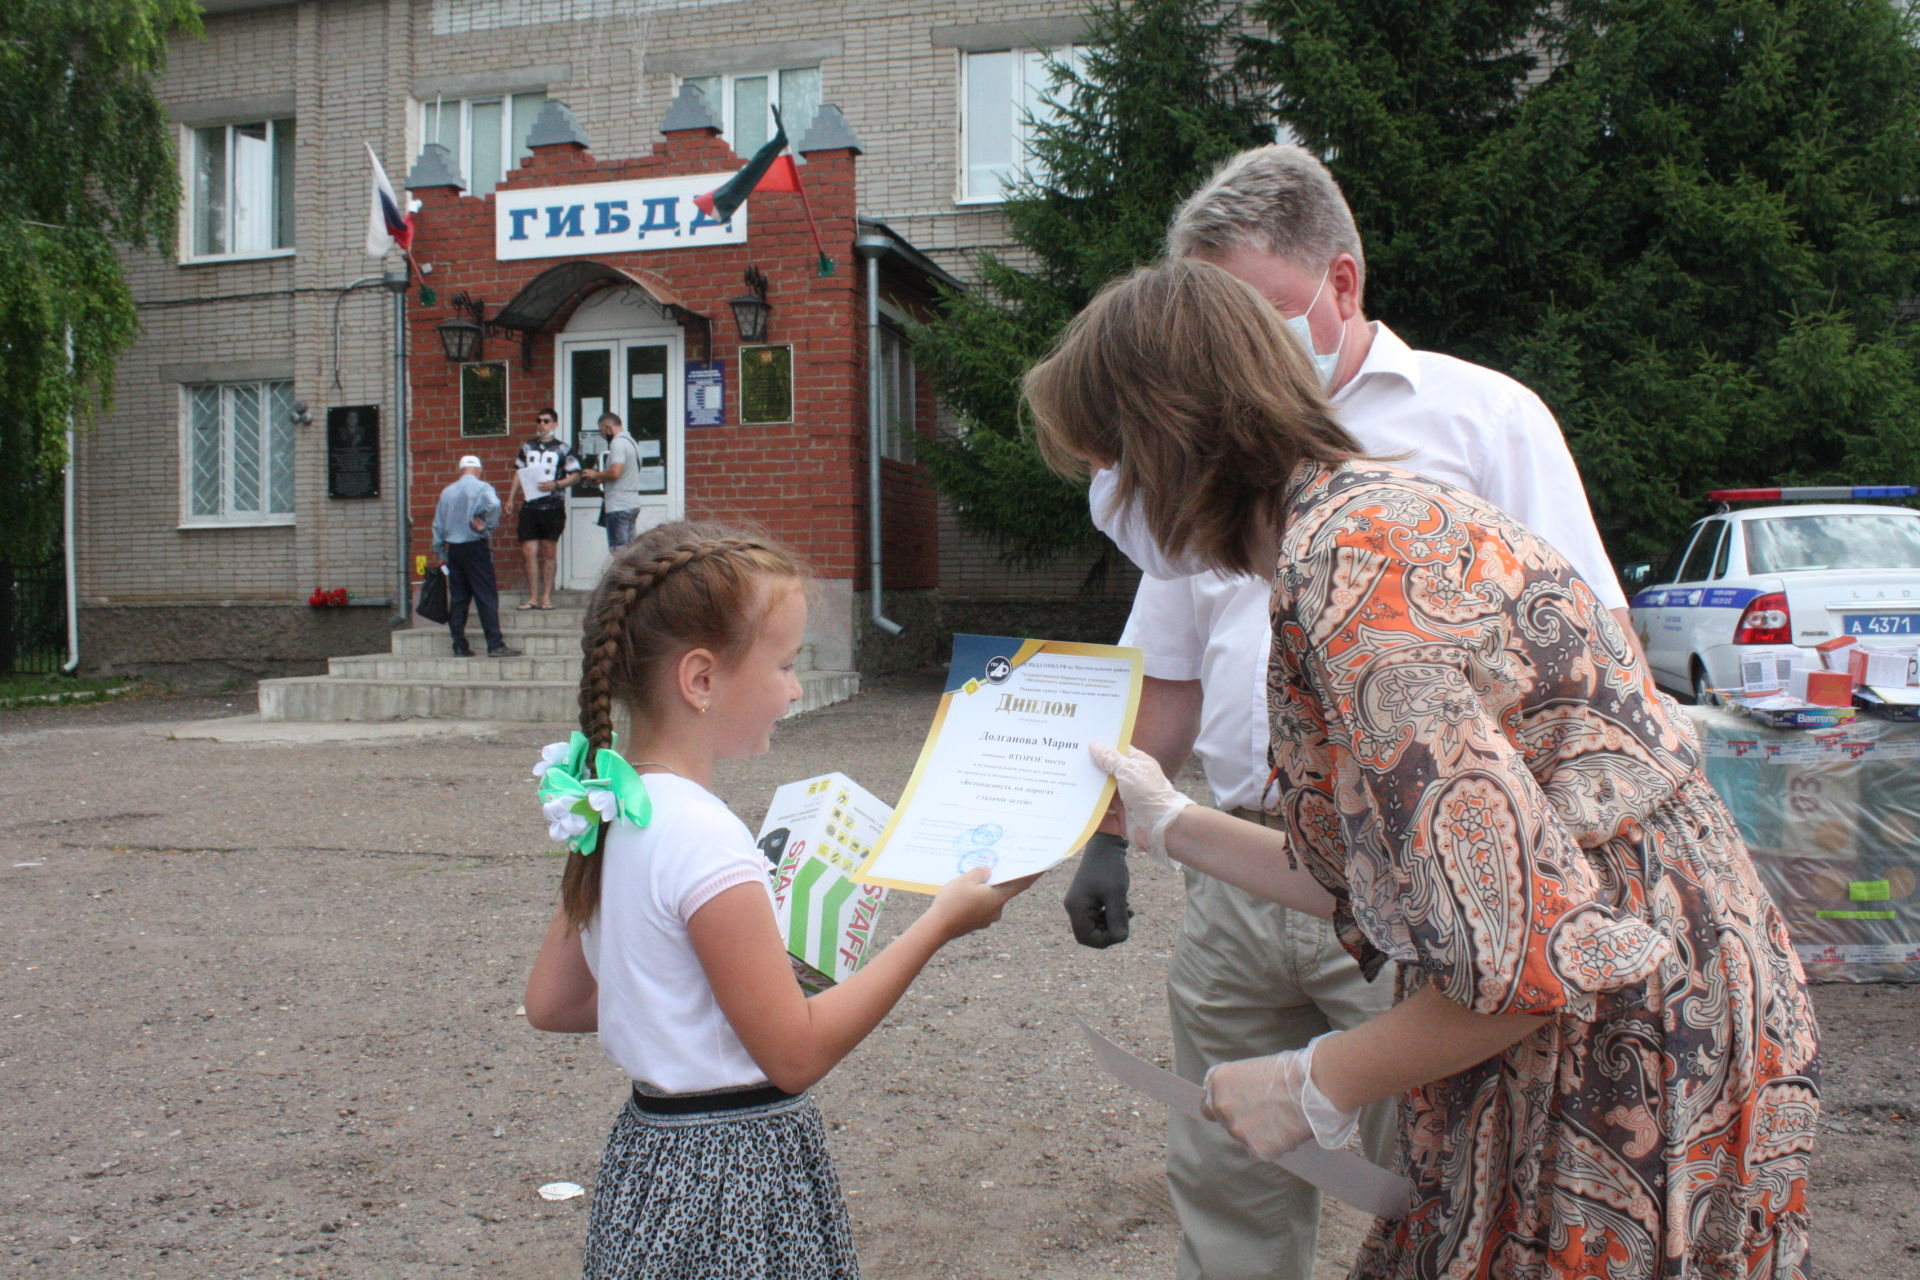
239	453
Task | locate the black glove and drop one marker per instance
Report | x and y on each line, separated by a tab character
1096	901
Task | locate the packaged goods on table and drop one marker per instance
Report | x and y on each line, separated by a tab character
1832	818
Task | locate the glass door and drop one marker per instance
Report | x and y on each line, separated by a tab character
640	379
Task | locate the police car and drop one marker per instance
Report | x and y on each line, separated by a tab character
1777	575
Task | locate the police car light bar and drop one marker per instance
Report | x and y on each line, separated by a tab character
1817	493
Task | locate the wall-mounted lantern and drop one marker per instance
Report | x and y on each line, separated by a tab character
461	338
751	309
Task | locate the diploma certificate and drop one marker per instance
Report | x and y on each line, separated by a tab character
1004	780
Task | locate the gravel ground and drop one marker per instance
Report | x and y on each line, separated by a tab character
260	1019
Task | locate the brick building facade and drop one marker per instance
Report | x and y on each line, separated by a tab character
205	515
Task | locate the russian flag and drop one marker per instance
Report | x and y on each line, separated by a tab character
387	223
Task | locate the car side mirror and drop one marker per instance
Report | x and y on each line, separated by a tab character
1636	575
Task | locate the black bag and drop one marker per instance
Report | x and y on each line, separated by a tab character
433	596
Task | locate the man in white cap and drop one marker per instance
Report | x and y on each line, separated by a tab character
468	511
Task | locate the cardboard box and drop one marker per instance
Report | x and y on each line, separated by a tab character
1833	653
816	833
1821	688
1764	671
1876	667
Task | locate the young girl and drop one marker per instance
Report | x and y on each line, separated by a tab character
665	941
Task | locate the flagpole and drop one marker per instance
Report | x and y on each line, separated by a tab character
826	263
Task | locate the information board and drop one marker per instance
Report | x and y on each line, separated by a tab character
706	393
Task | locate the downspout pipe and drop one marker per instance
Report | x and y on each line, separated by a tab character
873	248
396	280
72	664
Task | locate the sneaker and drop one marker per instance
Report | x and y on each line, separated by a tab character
505	651
462	651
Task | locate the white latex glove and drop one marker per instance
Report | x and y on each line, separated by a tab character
1271	1105
1152	803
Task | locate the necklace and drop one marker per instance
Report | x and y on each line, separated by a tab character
642	764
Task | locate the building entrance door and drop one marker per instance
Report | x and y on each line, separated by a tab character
641	378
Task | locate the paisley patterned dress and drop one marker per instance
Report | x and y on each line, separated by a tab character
1475	764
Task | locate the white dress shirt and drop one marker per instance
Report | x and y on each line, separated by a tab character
1447	419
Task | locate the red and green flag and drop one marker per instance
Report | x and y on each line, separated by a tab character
769	170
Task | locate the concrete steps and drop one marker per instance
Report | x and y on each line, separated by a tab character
420	679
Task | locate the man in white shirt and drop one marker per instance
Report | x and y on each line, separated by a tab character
1249	978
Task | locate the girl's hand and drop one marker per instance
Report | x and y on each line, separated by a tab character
967	902
1152	803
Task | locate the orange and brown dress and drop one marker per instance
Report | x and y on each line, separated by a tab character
1474	762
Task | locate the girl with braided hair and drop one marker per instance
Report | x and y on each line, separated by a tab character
665	942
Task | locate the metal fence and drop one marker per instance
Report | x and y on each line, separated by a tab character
33	616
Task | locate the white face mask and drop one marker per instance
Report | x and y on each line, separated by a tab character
1323	365
1128	528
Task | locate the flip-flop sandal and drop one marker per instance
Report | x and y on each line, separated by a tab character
523	608
544	608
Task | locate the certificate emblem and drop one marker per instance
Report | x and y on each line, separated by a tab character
998	669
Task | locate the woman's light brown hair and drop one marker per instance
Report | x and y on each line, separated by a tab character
1189	383
675	587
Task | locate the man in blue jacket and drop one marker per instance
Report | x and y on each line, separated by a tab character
468	511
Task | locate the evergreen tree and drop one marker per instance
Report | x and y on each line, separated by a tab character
88	165
1694	237
1154	105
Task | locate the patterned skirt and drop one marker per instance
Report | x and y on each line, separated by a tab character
725	1195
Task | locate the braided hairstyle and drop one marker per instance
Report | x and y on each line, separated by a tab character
676	587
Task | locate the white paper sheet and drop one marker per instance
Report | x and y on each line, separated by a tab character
1340	1174
533	475
648	449
648	386
653	479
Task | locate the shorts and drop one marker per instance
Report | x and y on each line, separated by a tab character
542	524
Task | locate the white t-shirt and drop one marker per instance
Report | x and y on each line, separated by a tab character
1452	420
659	1021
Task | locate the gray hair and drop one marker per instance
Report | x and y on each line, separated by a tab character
1276	199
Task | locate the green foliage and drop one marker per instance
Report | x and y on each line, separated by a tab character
87	165
1693	238
1155	105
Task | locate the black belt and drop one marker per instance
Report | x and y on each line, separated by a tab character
688	1104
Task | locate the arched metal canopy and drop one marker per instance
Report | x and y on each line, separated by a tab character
545	301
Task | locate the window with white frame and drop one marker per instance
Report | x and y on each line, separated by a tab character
897	399
240	198
744	102
486	135
1003	94
238	453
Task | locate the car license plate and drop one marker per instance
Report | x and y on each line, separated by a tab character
1880	624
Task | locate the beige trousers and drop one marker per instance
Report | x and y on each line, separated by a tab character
1248	978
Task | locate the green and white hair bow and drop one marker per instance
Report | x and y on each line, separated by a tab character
575	806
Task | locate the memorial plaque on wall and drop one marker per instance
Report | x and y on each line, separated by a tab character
353	451
483	398
766	384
